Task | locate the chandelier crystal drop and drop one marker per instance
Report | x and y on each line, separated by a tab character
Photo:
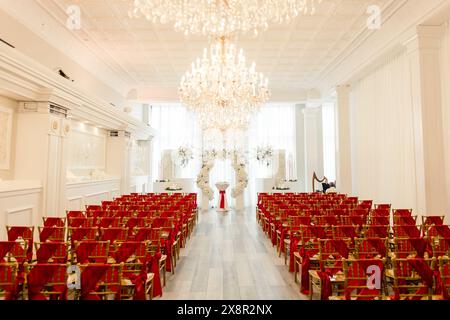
219	18
222	90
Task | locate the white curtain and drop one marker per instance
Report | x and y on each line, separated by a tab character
175	128
383	164
273	126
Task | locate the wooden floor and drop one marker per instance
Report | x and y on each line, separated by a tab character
229	257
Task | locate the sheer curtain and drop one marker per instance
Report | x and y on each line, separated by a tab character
273	126
175	127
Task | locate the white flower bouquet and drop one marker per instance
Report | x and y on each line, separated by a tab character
264	155
185	154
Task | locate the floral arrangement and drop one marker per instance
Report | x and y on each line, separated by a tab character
203	180
241	176
185	154
264	155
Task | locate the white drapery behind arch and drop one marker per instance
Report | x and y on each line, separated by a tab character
274	125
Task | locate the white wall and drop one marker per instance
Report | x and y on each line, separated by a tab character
6	103
383	164
445	80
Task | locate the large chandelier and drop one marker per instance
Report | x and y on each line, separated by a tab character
222	90
222	17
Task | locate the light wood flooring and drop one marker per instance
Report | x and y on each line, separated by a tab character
229	257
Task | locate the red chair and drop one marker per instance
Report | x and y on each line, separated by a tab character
82	234
380	220
369	248
404	231
383	207
441	247
444	273
353	220
98	281
405	247
436	231
14	251
8	275
413	278
376	231
356	276
91	251
46	281
405	220
75	214
26	233
346	232
380	212
54	221
75	222
54	234
107	222
51	252
430	220
113	234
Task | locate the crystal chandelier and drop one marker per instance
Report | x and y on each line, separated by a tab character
222	90
222	17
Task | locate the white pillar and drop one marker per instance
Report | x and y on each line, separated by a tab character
424	59
300	145
343	141
41	152
313	144
118	157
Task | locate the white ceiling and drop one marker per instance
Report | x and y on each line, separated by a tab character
152	58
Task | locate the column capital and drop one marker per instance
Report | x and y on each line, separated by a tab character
425	38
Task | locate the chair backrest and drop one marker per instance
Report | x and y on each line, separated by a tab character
441	247
8	274
113	234
376	231
75	214
346	232
380	220
134	250
353	220
82	234
436	231
410	231
54	221
363	279
405	220
402	212
430	220
51	252
368	248
331	253
444	271
16	232
52	234
91	251
75	222
107	222
405	247
47	281
98	281
413	278
14	251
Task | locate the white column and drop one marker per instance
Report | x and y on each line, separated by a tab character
41	153
118	157
313	144
423	52
300	145
343	141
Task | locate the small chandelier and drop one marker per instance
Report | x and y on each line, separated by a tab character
222	90
219	18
